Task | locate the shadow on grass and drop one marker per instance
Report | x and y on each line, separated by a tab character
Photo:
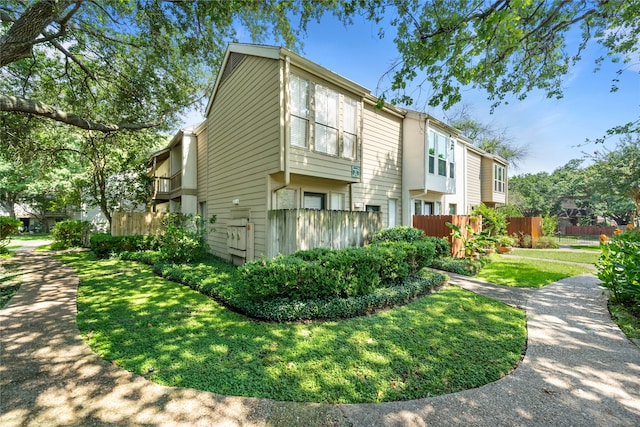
449	341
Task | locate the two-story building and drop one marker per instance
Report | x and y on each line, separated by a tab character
282	132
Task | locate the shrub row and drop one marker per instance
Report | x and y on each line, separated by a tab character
104	245
286	310
619	266
335	273
466	267
411	234
216	278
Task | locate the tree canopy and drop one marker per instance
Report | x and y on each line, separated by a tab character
505	47
114	65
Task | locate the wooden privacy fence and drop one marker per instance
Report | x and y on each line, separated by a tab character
133	223
576	230
436	225
296	229
523	226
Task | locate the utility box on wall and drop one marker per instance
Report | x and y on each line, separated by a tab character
240	240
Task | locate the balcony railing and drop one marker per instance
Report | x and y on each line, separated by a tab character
176	181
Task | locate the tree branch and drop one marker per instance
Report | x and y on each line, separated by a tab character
28	106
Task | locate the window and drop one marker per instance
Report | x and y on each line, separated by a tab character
337	201
428	208
452	164
417	207
314	200
350	133
453	209
438	208
498	178
442	155
372	208
393	203
432	152
299	112
326	124
442	148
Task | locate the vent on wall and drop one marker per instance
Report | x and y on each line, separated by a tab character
232	63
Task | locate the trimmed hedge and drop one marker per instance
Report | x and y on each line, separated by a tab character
287	310
104	245
465	267
334	273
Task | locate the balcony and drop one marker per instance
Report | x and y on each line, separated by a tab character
161	188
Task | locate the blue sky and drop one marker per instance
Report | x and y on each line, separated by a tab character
554	130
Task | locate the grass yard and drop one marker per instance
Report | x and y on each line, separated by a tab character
10	278
528	272
558	255
448	341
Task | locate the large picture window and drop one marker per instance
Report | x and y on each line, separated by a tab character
323	119
326	124
299	111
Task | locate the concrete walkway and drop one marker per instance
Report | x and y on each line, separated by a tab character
579	370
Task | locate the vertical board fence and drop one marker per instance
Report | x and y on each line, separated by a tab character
436	226
297	229
576	230
134	223
519	227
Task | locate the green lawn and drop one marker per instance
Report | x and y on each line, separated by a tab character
10	278
558	255
445	342
528	272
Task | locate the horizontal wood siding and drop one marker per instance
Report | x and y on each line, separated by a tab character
244	147
306	162
203	182
297	229
474	178
381	162
136	223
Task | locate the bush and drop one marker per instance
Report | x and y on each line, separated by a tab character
73	233
494	222
104	245
323	273
547	242
398	234
549	225
465	267
182	238
441	245
286	309
8	227
619	266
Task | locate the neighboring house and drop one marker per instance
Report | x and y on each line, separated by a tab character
282	132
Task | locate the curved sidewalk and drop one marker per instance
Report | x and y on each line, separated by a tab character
579	370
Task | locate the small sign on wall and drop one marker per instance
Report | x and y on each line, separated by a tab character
355	171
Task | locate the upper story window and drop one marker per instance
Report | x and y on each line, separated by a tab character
326	125
498	178
350	123
299	111
323	119
441	150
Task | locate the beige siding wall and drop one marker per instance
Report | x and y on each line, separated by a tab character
203	183
414	145
321	165
488	195
381	162
244	146
473	178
